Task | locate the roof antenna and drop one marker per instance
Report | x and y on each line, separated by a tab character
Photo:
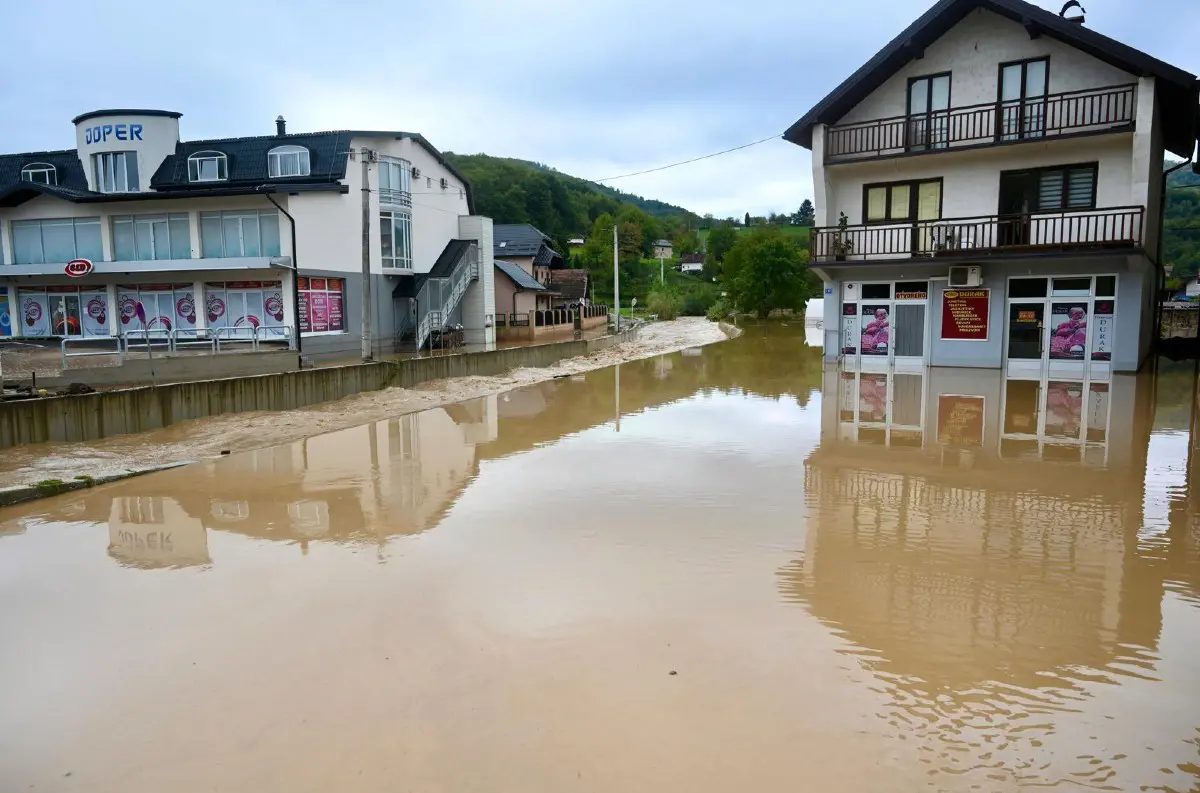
1078	20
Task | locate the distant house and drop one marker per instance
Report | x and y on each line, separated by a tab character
691	263
570	286
663	249
575	242
524	246
518	292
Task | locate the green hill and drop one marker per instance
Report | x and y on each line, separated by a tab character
1181	235
563	206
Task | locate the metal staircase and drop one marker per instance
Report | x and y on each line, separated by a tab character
438	297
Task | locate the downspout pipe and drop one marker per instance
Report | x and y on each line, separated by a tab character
1158	262
267	191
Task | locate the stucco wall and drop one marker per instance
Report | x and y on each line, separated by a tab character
159	135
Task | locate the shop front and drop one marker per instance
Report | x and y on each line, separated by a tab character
1060	326
885	324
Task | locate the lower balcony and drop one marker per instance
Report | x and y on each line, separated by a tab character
1075	231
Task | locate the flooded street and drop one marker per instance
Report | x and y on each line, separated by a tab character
726	568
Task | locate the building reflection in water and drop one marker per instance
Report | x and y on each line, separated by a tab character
977	541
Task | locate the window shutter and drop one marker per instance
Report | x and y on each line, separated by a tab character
1050	189
877	203
1079	187
901	209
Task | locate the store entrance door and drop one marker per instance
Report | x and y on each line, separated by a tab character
1026	338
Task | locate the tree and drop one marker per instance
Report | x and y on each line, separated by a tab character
706	222
747	220
685	241
721	239
805	215
765	270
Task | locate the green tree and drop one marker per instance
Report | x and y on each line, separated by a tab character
805	215
685	241
747	223
765	270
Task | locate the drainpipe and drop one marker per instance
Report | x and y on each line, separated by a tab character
1162	270
267	190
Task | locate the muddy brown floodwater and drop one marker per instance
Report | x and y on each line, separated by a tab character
724	569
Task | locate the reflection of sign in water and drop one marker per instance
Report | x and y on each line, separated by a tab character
1102	330
849	329
1068	330
965	314
1064	409
960	421
876	329
158	545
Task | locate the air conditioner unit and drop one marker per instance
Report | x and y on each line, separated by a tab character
445	183
966	276
416	172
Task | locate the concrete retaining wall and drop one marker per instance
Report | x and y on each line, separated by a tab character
177	369
99	415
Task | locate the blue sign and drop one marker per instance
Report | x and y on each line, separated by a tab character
829	290
101	134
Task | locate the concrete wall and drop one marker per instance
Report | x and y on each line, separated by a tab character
103	414
176	369
158	138
479	301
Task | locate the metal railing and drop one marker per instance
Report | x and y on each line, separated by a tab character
982	235
1053	115
69	341
145	339
438	297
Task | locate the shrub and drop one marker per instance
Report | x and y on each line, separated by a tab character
664	302
698	298
719	310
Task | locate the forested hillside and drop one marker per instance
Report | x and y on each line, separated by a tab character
562	206
1181	235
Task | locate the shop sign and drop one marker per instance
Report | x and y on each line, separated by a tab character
102	132
77	268
965	314
1102	336
960	421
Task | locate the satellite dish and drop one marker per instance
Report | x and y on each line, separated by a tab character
1069	5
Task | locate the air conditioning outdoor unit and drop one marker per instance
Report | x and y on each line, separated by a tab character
445	183
966	276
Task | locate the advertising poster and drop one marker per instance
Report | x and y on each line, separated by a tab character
1064	409
185	309
876	329
302	309
1102	330
336	314
849	329
960	421
965	314
1068	330
6	328
873	398
95	313
318	311
34	314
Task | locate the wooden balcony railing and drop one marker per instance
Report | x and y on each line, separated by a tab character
1054	115
985	235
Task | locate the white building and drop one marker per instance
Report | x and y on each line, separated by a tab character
204	234
989	190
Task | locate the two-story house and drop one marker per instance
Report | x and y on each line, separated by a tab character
236	237
989	190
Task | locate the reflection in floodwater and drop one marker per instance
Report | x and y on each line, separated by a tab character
986	583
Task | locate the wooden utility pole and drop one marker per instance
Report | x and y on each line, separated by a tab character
366	155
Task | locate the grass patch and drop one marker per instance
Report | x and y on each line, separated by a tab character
88	481
50	487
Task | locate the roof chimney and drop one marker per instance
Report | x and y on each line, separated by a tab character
280	126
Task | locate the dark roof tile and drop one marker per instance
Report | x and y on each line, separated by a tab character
571	284
522	279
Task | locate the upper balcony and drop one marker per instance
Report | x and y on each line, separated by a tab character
1071	113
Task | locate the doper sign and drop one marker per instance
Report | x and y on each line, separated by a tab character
100	134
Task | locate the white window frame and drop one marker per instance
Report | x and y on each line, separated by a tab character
113	169
401	258
152	220
275	159
45	168
196	161
41	223
240	214
395	182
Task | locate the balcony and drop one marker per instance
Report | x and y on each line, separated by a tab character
1072	113
1072	231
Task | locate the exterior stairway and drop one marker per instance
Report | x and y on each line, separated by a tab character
439	296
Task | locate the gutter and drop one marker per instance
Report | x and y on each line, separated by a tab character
267	190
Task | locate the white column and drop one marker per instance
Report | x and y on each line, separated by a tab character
479	302
114	311
821	193
201	307
106	239
6	253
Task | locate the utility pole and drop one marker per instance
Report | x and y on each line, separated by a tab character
616	281
366	155
661	276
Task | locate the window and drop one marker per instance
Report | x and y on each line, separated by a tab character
395	231
902	201
247	232
395	182
116	172
146	237
54	241
928	112
1022	95
63	311
322	305
284	161
1072	187
39	173
208	166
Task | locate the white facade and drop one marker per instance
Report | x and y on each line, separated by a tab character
431	209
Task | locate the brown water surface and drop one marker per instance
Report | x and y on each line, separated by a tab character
727	569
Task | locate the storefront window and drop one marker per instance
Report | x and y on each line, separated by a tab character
247	305
62	311
322	305
167	307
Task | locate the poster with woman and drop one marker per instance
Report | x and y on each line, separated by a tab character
1068	330
876	329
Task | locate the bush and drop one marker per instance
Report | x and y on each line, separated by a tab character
664	302
698	298
719	310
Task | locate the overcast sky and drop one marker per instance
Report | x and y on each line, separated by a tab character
593	89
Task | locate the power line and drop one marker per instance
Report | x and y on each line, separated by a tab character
686	162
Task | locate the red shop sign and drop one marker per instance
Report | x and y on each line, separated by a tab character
77	268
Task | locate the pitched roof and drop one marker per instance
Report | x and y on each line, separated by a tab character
68	168
663	243
518	239
450	256
692	258
1176	89
571	284
522	279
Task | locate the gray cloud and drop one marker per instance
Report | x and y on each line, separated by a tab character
591	89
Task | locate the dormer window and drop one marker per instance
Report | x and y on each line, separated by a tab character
208	166
285	161
39	173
